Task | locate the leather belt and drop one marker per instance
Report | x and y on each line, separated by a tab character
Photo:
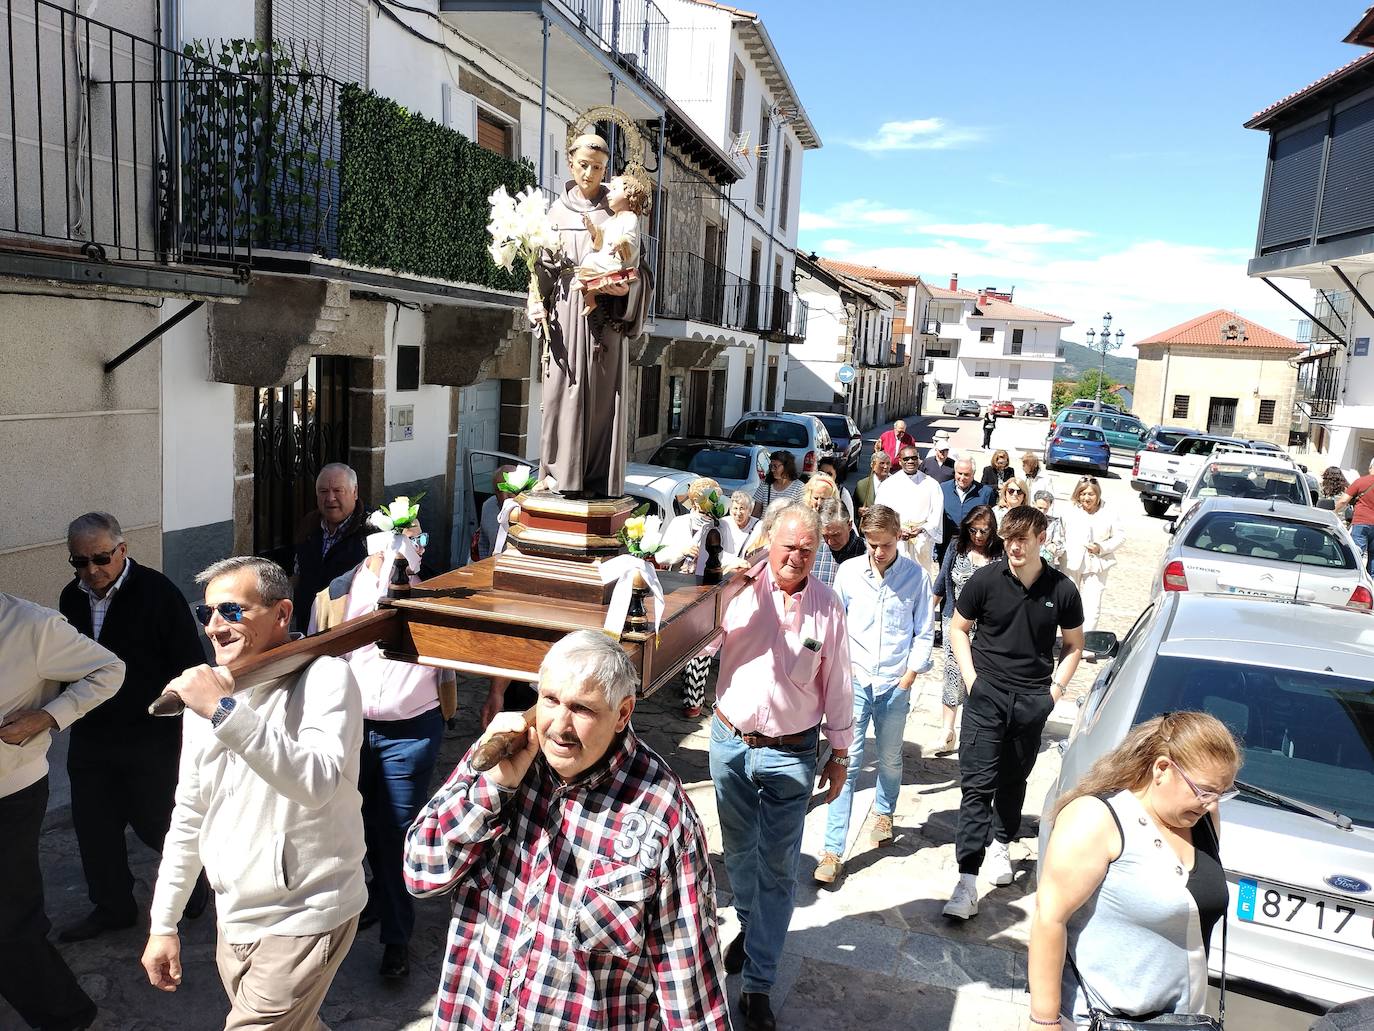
756	740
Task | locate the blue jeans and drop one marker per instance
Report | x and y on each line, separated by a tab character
887	712
1363	534
761	796
398	758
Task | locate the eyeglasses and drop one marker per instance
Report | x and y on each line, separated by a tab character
230	611
1205	797
1016	490
980	531
910	458
421	540
82	561
1087	479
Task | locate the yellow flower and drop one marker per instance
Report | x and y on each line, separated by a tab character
634	527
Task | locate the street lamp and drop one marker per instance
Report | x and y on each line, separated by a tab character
1104	344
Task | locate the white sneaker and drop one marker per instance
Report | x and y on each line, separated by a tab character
997	864
964	902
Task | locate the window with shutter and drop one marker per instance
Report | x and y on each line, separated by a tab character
1290	202
737	102
649	393
1266	412
761	168
337	28
494	134
785	197
1180	406
1348	195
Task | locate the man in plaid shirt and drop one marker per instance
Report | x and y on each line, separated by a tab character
583	892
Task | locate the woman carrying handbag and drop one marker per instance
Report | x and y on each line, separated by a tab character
1131	884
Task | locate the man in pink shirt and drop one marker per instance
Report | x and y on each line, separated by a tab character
893	440
784	669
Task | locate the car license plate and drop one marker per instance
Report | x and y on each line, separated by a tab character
1249	592
1079	458
1306	912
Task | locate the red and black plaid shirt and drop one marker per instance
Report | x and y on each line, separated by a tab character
587	904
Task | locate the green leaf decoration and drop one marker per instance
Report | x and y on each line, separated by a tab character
514	486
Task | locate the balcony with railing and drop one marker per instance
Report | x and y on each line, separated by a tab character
588	42
92	158
931	327
693	289
1333	311
1318	387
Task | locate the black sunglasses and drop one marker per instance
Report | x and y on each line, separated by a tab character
82	561
909	458
231	611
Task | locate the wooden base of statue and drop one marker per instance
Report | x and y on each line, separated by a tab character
463	620
556	544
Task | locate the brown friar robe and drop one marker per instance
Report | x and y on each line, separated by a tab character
582	440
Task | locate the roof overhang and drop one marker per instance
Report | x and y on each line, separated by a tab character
700	332
1350	77
760	47
683	134
1354	255
387	283
580	70
194	283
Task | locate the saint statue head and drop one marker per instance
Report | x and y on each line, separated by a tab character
587	160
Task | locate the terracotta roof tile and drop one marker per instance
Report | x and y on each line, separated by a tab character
1260	118
941	293
995	308
870	272
1206	331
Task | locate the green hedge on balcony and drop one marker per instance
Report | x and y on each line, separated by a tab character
414	194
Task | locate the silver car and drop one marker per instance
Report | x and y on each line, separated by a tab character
1273	549
1295	683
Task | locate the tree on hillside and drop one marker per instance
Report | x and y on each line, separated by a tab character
1065	392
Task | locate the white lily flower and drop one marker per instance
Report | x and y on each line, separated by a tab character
504	253
381	521
653	533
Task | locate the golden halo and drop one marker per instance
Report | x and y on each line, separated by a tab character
634	142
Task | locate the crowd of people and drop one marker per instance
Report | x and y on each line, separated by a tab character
582	888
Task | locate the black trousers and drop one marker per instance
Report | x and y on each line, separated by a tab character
119	783
998	745
34	978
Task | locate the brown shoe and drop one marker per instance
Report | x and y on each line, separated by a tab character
828	868
881	832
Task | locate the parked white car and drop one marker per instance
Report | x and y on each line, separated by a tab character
1272	549
1245	475
1295	683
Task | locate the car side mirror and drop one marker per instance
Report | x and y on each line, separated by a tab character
1180	486
1100	644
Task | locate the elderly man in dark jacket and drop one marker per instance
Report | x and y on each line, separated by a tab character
333	538
961	496
122	762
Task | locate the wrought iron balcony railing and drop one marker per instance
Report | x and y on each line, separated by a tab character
93	153
635	31
1318	387
931	327
690	287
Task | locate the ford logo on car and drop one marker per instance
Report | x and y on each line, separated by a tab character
1348	884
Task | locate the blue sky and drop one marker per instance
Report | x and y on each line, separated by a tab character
1089	154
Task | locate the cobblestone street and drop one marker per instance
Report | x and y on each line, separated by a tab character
874	952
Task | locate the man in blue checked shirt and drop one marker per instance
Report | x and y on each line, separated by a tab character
886	598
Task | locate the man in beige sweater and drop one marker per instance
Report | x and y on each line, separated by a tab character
39	652
267	802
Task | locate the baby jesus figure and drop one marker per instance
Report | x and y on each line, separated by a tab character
614	259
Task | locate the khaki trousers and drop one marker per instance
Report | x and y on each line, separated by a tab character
279	983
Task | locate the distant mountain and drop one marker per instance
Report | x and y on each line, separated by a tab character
1078	359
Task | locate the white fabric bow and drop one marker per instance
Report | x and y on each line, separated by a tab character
389	545
503	525
622	570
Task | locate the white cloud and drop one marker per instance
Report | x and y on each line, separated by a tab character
859	213
997	232
917	134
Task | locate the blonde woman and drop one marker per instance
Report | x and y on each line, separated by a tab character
997	471
1012	493
1132	884
820	488
1091	537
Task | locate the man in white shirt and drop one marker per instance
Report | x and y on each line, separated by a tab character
39	652
917	500
268	803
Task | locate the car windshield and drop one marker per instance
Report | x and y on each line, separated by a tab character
1238	480
721	465
835	425
1166	439
1076	415
774	432
1260	536
1307	735
1087	433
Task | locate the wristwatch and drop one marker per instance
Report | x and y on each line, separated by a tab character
840	760
222	710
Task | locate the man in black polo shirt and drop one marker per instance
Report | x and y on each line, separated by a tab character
1018	606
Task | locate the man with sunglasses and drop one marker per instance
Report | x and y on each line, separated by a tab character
917	500
39	653
268	805
122	762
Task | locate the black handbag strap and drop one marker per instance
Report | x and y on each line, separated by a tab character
1096	1002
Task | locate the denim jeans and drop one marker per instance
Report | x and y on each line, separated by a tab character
397	760
1363	534
887	712
762	795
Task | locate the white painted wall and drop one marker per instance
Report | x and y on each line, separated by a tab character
427	453
214	19
197	429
